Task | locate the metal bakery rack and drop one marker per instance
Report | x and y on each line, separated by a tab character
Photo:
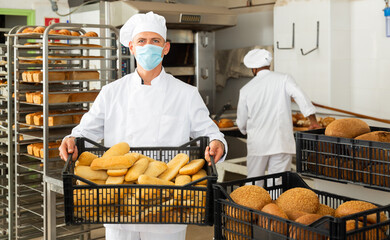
57	77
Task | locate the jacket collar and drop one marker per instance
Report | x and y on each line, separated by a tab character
155	82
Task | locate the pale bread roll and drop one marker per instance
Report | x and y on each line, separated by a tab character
182	180
202	173
113	162
148	180
150	159
174	166
117	150
135	155
155	168
87	173
98	182
115	180
117	172
192	167
137	169
85	159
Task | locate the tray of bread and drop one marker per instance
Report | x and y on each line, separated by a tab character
122	184
348	150
287	208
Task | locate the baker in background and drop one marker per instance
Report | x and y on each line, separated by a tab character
264	114
147	108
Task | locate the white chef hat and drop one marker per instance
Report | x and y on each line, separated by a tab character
149	22
257	58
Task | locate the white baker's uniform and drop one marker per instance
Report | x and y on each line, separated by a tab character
264	114
166	113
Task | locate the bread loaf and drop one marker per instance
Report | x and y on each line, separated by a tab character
273	224
53	76
200	174
74	33
225	123
148	180
30	117
87	173
53	150
85	75
64	32
174	166
86	158
355	206
117	150
181	180
347	128
377	136
113	162
301	199
299	233
90	34
325	210
117	172
137	169
83	97
115	180
156	168
192	167
60	120
28	30
36	149
53	98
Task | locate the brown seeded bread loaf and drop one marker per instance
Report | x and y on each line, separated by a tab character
354	206
347	128
276	226
302	234
377	136
325	210
301	199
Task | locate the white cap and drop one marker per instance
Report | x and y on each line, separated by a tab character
257	58
149	22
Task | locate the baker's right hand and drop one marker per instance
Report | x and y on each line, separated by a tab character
68	145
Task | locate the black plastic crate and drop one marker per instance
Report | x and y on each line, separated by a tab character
238	227
134	203
344	160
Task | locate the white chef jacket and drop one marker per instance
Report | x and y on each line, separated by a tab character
166	113
264	113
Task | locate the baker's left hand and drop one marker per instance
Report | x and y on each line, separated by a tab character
216	149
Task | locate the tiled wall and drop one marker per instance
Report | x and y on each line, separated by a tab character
351	68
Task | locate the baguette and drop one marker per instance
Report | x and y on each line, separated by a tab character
192	167
137	169
117	150
174	166
113	162
85	159
115	180
202	173
155	168
87	173
117	172
135	155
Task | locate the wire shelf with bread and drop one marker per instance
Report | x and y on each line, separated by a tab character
59	71
162	185
292	210
347	151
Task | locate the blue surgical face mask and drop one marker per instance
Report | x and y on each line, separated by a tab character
148	56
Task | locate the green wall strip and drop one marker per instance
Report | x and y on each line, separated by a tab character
30	14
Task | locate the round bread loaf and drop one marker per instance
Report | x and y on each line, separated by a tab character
294	214
369	235
298	199
354	206
275	225
52	31
325	210
377	136
251	196
225	123
347	128
379	173
90	34
302	234
64	32
39	30
28	30
74	33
